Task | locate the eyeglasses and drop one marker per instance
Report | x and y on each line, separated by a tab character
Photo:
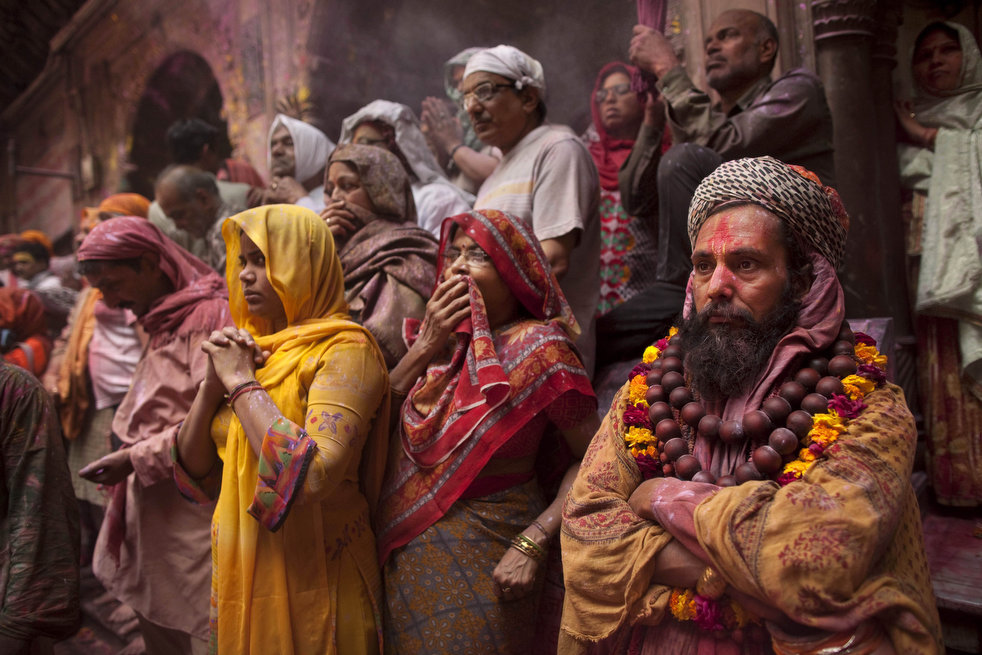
472	256
483	92
618	90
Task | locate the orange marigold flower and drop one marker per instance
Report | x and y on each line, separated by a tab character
868	354
637	390
823	435
682	604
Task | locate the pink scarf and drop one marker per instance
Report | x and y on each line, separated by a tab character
128	237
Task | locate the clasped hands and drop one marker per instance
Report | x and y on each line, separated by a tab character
281	190
441	126
233	357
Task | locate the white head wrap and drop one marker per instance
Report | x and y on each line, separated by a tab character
409	138
311	147
508	61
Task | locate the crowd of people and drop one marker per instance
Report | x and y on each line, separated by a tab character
472	383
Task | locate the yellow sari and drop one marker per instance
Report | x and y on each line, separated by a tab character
293	551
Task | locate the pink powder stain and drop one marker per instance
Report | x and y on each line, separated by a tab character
720	237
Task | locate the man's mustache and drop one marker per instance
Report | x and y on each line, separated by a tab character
726	311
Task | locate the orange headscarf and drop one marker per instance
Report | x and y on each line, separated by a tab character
37	236
127	204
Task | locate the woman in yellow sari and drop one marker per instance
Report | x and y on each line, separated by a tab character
296	448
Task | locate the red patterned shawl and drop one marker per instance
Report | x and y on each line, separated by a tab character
460	412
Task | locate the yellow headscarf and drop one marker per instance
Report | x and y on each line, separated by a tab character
255	569
301	265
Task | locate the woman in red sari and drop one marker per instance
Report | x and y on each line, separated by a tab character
464	524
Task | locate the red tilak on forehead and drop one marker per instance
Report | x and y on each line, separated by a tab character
721	235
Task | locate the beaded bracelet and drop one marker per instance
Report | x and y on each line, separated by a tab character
239	389
527	547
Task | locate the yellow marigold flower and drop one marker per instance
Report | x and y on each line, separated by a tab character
806	455
650	354
672	331
638	437
797	467
828	419
639	386
865	386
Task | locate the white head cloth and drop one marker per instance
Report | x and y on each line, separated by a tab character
409	137
508	61
311	147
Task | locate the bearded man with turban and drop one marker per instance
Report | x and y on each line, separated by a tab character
749	490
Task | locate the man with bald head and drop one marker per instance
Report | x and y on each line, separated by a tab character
787	118
190	197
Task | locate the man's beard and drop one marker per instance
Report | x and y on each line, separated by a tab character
723	360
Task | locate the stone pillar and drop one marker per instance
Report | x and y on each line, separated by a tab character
855	54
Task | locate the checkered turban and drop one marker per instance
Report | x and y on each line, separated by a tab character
812	211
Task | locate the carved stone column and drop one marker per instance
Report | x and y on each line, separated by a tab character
855	53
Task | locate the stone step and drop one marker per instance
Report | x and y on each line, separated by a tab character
953	541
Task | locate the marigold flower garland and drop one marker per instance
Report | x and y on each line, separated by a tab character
827	426
708	614
641	442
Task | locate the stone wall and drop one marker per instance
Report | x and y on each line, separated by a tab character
98	90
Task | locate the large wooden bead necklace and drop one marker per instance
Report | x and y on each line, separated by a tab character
791	430
788	434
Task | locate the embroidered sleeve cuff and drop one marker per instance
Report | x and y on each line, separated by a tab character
200	492
286	453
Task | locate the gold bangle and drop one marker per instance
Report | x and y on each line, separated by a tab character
711	584
527	547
